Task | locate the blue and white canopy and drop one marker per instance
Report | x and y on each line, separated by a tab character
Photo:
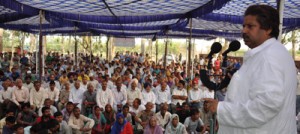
137	18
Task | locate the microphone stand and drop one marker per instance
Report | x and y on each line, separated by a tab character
217	85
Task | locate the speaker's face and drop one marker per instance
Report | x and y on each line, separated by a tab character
253	35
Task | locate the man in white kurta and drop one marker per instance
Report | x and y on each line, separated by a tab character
37	96
261	95
120	96
53	93
104	96
76	94
20	94
148	96
133	92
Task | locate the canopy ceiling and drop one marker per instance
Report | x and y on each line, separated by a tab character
137	18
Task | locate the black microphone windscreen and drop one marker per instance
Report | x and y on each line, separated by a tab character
216	47
234	45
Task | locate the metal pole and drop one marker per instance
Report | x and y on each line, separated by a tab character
156	47
40	48
186	56
107	47
166	52
76	49
280	8
91	51
192	75
190	47
151	44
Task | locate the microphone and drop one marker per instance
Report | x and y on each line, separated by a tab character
215	48
233	46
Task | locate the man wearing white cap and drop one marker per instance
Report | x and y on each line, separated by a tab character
133	92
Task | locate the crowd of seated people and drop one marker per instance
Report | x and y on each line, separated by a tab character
130	94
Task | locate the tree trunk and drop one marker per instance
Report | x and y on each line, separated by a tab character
62	44
22	42
293	43
1	40
32	43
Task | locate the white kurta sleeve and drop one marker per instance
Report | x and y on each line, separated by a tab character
71	97
88	121
153	98
125	97
98	97
1	96
27	95
56	95
111	98
266	99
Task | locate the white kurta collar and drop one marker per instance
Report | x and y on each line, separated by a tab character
259	48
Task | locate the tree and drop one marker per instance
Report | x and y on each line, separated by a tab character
293	37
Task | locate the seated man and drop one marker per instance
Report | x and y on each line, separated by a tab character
162	95
79	123
5	98
104	96
142	118
68	111
120	96
184	112
76	94
18	129
136	107
9	124
194	124
52	127
28	82
179	95
20	94
133	92
64	96
195	95
2	121
64	127
47	103
46	116
37	96
206	115
126	114
53	93
148	96
163	115
52	78
89	100
26	117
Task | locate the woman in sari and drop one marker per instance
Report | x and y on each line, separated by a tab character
100	121
109	115
121	126
153	127
175	127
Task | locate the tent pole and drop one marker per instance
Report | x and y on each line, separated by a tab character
76	49
156	51
108	39
190	49
166	52
280	8
40	48
91	51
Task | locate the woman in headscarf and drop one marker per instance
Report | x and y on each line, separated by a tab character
109	115
121	126
153	127
174	126
100	121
